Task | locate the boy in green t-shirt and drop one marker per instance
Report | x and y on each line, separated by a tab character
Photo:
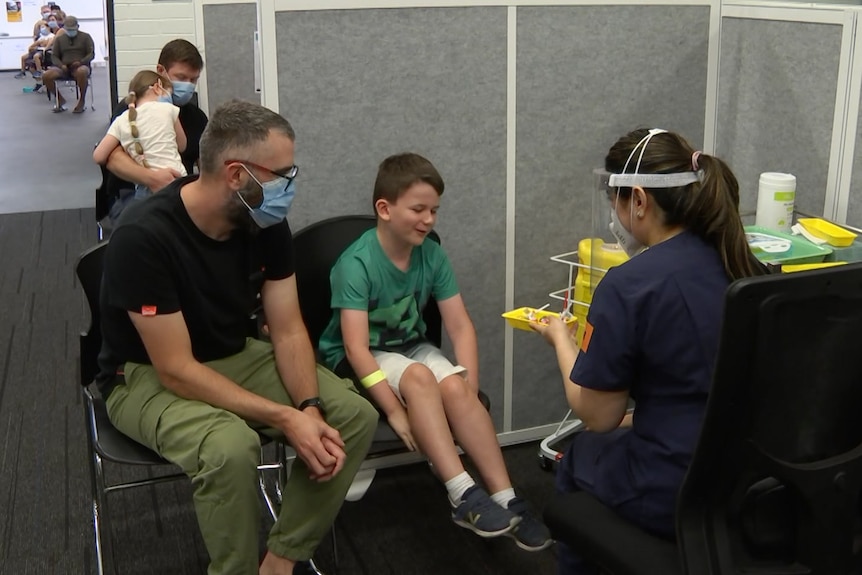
380	286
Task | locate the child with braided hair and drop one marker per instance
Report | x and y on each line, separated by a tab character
149	130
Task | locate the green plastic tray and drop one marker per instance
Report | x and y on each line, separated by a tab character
801	250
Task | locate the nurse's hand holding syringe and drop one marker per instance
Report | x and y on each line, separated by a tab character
555	330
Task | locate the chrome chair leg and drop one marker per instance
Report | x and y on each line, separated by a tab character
264	490
97	513
101	519
281	479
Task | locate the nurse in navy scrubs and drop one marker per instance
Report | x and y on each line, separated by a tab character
652	331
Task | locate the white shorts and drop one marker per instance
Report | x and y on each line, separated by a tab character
393	364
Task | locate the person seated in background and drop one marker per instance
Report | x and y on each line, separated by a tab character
180	62
59	18
149	130
652	330
33	58
380	287
41	58
45	12
71	56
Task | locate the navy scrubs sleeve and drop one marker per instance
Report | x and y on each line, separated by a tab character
608	353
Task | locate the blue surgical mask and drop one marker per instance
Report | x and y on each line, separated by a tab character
166	98
44	31
53	25
183	92
71	33
277	197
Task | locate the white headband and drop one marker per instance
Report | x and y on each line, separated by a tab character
625	180
654	180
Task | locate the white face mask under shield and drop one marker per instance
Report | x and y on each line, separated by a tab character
611	184
627	241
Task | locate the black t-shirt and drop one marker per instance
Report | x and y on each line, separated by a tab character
159	262
193	121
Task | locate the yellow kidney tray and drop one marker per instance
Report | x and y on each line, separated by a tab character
834	235
520	318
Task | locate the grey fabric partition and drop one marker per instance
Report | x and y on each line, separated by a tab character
777	88
586	76
229	39
854	203
359	85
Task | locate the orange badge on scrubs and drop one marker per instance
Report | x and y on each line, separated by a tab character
151	310
588	334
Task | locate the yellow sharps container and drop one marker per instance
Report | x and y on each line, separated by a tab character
596	257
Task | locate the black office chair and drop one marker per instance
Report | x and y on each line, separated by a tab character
104	201
774	484
108	444
317	248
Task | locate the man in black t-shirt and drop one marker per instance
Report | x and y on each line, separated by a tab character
181	377
181	62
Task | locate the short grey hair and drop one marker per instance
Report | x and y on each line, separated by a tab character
71	22
237	127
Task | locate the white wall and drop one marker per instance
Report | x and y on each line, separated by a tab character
142	27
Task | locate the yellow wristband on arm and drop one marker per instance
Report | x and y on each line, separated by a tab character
372	379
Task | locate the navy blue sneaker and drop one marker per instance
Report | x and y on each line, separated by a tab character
478	512
530	534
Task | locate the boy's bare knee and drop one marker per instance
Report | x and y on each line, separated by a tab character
417	378
455	388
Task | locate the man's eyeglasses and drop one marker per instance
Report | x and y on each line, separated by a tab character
288	173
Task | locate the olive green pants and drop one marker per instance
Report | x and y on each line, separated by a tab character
220	451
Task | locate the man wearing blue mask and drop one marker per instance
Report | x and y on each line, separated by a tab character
179	373
71	56
181	62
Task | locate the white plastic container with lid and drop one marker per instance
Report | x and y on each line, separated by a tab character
775	197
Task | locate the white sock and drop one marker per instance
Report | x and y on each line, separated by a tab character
457	486
502	498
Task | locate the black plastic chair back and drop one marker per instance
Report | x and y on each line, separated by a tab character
89	271
104	196
317	248
781	447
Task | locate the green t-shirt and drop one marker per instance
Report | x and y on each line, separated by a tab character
364	278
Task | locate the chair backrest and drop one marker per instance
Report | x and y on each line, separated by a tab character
103	195
317	248
784	413
89	272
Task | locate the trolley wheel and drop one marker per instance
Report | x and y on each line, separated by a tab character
545	464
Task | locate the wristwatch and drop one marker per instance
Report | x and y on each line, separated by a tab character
312	402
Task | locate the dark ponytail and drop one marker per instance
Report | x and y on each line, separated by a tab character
713	214
708	208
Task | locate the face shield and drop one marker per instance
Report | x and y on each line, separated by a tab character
608	185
